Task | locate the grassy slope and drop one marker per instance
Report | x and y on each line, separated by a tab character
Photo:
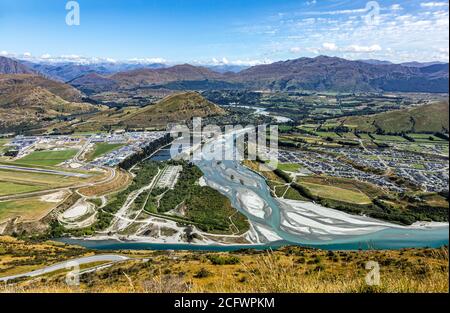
3	142
427	118
27	209
30	100
339	194
175	108
290	269
102	148
172	109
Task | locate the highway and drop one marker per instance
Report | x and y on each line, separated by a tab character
113	258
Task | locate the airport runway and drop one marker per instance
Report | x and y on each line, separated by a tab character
42	170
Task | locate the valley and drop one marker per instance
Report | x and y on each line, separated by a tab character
356	169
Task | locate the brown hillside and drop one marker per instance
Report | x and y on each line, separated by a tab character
176	108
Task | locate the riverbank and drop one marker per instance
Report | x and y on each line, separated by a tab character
306	223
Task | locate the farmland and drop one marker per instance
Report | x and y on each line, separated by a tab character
335	193
289	167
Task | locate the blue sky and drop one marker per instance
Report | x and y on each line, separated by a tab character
225	31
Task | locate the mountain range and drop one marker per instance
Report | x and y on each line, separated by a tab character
335	74
67	71
31	101
31	98
313	74
10	66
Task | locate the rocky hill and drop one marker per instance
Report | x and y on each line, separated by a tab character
10	66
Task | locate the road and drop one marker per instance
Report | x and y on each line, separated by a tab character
388	168
113	258
121	215
42	170
110	177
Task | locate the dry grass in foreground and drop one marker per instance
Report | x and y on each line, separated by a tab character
290	269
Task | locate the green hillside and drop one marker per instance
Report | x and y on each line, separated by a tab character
176	108
427	118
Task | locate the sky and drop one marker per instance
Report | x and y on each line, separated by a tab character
238	32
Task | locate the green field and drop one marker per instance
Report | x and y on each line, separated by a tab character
327	134
338	194
38	180
365	136
388	138
427	138
308	126
47	158
10	188
425	118
103	148
289	167
27	209
349	136
2	144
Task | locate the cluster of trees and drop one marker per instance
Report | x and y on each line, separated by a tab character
146	151
303	191
283	175
204	206
184	187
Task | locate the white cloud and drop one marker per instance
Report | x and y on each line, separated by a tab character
353	48
433	4
225	61
329	46
396	7
295	49
341	12
443	54
362	49
79	59
147	60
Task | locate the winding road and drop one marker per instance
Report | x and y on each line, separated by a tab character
111	258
